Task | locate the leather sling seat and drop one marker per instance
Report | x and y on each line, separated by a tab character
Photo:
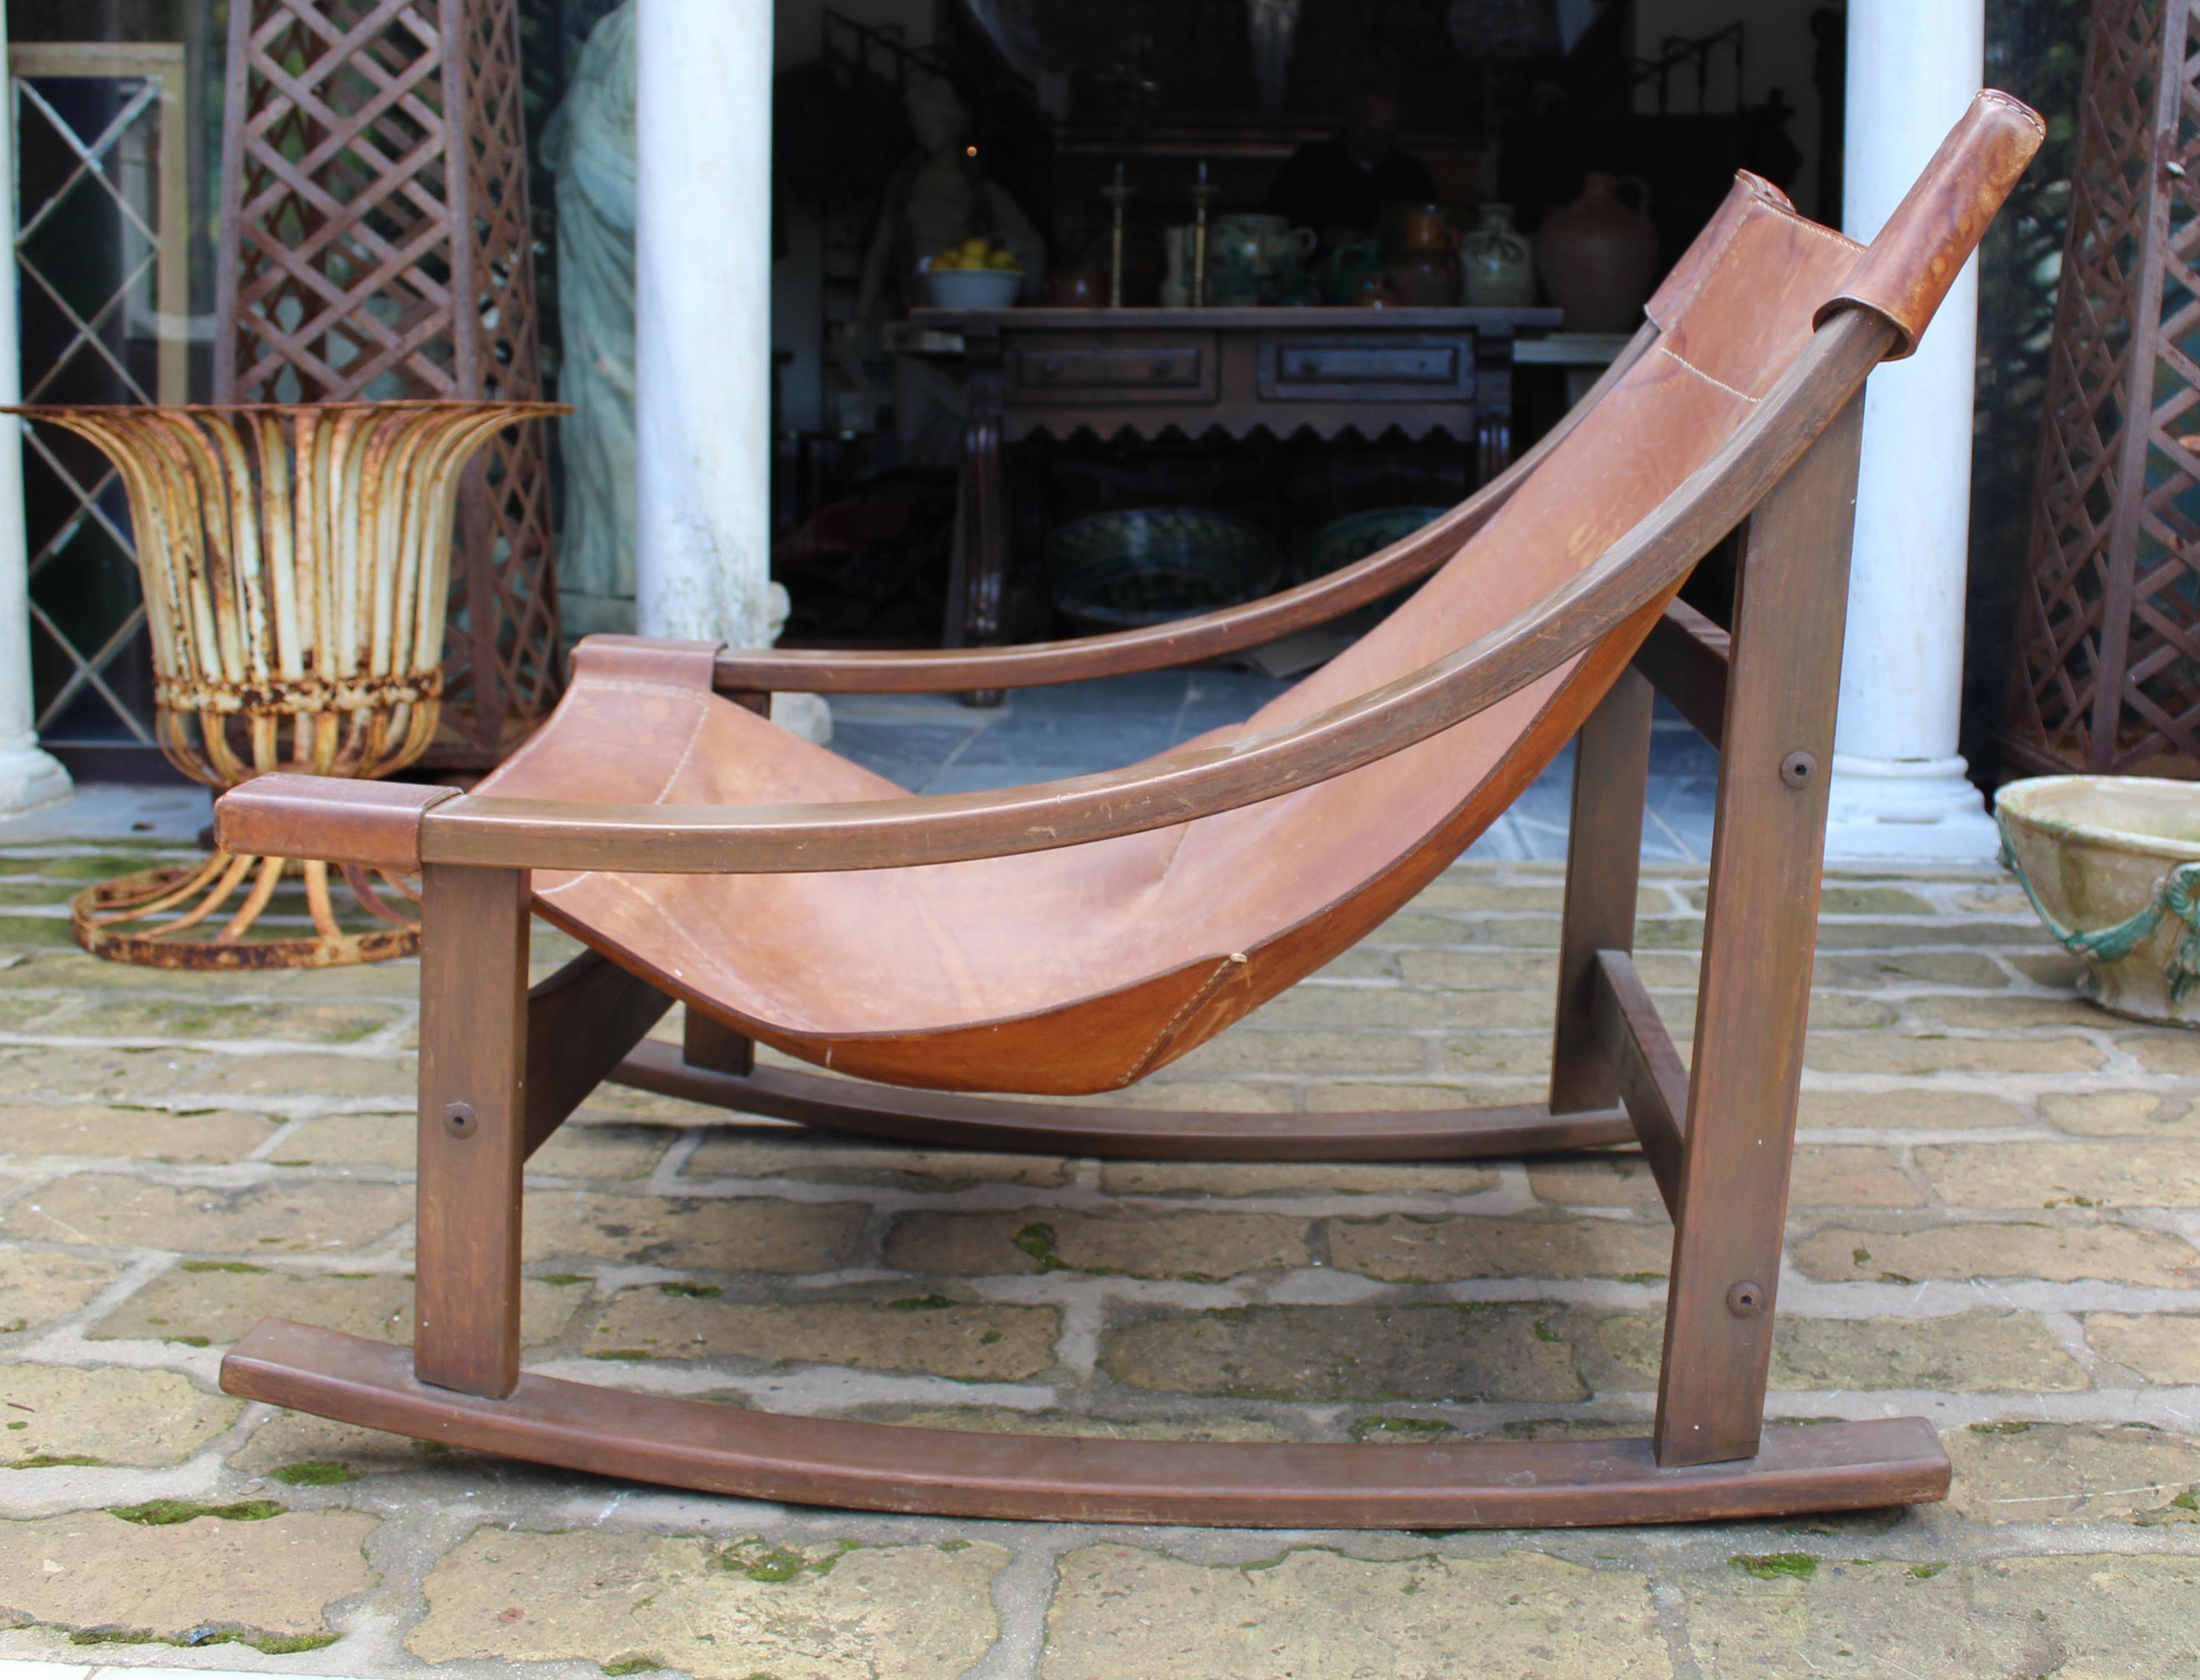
1084	970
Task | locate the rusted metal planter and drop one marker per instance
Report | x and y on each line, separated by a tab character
295	563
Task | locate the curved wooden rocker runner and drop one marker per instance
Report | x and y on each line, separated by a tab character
1075	935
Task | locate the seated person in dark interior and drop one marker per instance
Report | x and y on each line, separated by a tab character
1337	186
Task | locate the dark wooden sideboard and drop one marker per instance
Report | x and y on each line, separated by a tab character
1056	372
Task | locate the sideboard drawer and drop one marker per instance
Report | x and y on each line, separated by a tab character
1152	367
1365	368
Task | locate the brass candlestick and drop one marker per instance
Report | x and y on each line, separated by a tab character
1117	196
1203	196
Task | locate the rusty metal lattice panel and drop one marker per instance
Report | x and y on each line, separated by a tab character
376	243
2107	670
508	514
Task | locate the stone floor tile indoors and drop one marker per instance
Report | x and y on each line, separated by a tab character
1996	1222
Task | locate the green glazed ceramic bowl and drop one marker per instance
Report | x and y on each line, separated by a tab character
1357	535
1145	565
2112	865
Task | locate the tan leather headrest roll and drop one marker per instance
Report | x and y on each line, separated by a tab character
1908	268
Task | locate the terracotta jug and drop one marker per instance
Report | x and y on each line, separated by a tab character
1411	229
1375	292
1420	252
1598	256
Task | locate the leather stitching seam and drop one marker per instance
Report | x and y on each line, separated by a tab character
1781	206
1710	267
1222	970
1708	378
637	685
1764	201
541	738
702	716
1803	224
2030	118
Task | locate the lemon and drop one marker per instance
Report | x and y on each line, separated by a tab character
1002	260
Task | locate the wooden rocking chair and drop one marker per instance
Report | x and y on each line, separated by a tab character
1074	936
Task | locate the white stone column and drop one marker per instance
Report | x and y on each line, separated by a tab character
29	778
1898	789
703	317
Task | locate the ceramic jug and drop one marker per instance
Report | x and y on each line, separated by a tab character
1350	267
1246	252
1265	242
1500	268
1598	256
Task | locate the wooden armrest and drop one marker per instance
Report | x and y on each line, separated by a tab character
1626	587
1158	647
331	817
346	819
899	833
1181	642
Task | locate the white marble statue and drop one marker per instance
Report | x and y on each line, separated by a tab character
589	146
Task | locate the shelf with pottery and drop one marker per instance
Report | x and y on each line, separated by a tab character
1191	372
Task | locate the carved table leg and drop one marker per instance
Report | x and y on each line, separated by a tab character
1493	444
986	529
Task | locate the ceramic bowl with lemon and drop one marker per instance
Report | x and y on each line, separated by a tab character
976	274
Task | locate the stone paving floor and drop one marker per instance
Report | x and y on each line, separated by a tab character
1994	1221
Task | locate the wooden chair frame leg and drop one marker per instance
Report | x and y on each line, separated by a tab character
1760	935
1604	866
473	1065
